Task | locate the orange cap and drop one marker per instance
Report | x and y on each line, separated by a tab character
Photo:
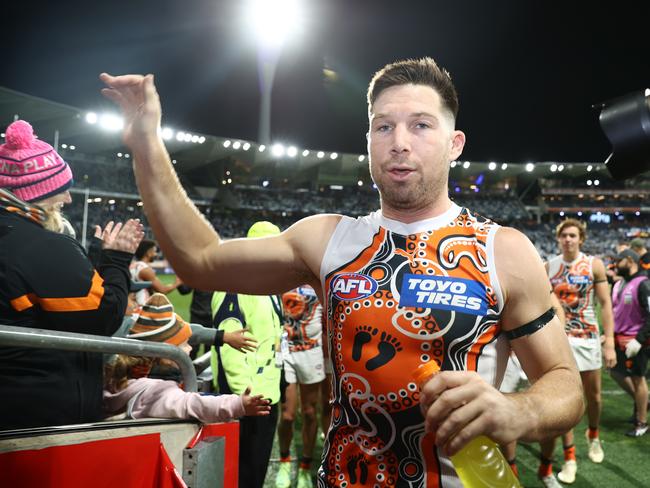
425	371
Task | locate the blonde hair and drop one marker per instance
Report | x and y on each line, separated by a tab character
122	368
582	228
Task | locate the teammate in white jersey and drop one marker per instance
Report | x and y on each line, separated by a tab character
412	109
577	279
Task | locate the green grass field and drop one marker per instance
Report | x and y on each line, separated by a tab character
627	460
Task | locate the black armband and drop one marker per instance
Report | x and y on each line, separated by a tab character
532	326
218	338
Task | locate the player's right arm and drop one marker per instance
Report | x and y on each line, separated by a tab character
194	249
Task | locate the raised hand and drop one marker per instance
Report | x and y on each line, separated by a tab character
121	237
255	405
240	340
137	97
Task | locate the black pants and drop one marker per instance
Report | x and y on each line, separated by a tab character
256	436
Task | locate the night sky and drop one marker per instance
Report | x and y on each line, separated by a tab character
527	71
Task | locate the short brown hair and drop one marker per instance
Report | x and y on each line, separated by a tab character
423	71
582	228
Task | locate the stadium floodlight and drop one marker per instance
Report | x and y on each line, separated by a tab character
553	168
560	167
589	182
90	200
119	155
292	151
362	158
236	145
246	146
97	200
265	183
452	164
596	182
589	168
187	137
360	183
277	150
530	167
261	148
637	213
72	148
111	122
91	118
201	139
139	204
466	164
127	156
562	213
166	133
492	166
504	166
579	214
173	161
229	180
195	139
320	154
305	153
64	145
111	202
334	155
180	135
274	21
226	143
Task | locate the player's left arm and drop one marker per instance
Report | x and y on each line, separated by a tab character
601	289
554	402
460	405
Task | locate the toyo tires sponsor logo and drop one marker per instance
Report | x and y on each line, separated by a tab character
352	286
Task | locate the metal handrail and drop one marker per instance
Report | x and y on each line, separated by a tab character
70	341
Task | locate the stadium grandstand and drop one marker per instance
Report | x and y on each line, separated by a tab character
236	182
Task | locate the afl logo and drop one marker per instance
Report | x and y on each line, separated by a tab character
352	286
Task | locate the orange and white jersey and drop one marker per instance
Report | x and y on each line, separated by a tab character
302	318
573	284
141	296
398	296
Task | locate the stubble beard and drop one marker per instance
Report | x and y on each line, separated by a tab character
411	195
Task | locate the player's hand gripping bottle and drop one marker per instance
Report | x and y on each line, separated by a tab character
480	464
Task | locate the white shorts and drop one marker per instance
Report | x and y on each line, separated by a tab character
587	353
304	367
513	376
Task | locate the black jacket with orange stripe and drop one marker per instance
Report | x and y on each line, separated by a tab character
48	282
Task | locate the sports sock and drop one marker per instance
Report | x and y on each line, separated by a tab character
570	453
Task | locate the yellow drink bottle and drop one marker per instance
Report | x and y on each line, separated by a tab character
480	464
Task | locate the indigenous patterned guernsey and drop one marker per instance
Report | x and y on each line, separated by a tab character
398	296
302	314
573	284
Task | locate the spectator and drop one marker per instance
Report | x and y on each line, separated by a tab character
48	282
128	390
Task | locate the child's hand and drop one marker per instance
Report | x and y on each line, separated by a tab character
255	405
240	340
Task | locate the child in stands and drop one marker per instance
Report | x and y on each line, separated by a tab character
127	389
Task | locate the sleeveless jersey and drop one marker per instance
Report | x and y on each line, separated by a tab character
302	315
141	296
573	284
398	296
